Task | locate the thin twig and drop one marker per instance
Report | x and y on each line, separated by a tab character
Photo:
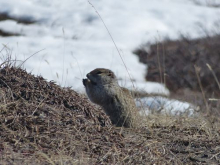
200	85
164	66
112	41
77	65
8	88
158	60
38	106
63	55
30	57
216	79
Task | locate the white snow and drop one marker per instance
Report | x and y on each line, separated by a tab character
211	3
166	106
74	40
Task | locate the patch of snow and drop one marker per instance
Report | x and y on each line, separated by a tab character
148	105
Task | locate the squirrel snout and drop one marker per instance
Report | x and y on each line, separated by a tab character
84	82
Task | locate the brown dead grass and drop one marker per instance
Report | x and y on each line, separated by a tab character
177	60
188	67
42	123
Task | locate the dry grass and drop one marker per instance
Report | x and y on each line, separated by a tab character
42	123
191	69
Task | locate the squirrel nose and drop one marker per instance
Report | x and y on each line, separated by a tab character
88	75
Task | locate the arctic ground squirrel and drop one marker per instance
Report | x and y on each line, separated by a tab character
103	89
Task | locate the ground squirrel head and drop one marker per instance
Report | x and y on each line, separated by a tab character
100	76
99	82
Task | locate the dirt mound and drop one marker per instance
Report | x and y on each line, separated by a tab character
42	123
40	115
177	59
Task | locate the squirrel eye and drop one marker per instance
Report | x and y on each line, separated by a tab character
98	72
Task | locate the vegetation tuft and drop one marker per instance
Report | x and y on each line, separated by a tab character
189	68
42	123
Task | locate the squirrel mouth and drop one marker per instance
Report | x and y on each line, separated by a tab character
92	82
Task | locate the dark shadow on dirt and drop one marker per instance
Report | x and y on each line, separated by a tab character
8	34
20	20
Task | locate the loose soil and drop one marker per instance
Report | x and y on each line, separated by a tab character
43	123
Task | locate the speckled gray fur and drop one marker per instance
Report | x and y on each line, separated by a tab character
103	89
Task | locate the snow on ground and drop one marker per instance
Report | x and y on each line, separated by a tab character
166	106
211	3
74	40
